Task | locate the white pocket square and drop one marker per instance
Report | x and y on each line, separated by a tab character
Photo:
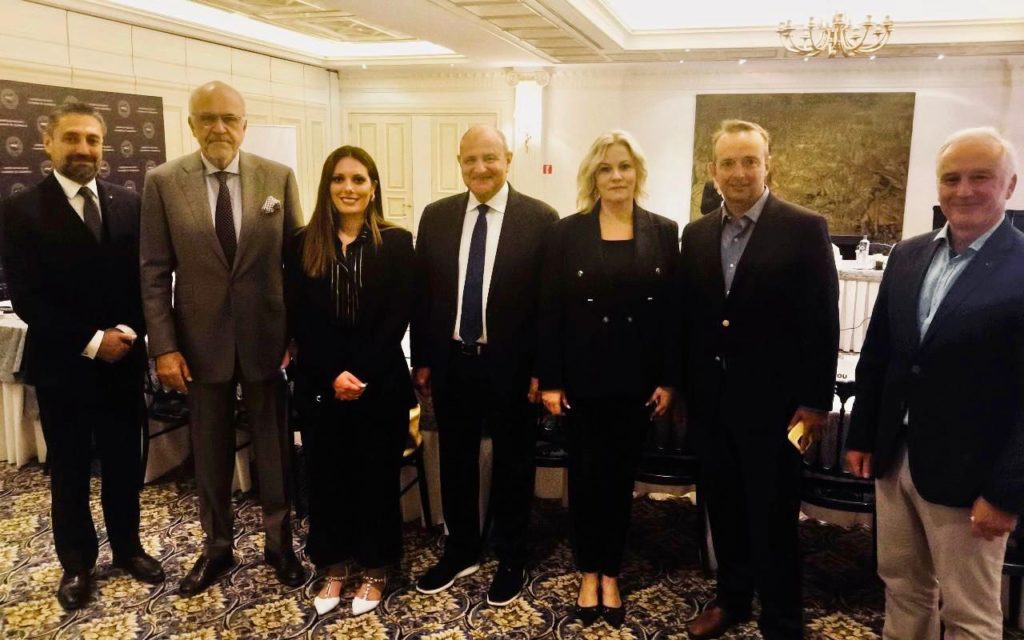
270	206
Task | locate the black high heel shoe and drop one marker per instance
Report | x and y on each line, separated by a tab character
587	615
614	616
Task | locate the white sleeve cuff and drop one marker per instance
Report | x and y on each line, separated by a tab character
93	346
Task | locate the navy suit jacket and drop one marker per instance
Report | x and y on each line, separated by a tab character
513	296
65	285
963	382
752	357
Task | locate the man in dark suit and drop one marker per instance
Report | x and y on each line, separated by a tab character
215	221
473	339
70	248
939	412
761	337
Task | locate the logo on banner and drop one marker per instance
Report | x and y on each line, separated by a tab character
124	109
148	130
127	149
14	146
129	185
16	187
45	167
70	98
42	122
150	165
104	169
9	98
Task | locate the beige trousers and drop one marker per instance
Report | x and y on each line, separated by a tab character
926	549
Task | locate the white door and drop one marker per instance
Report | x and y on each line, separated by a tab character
388	138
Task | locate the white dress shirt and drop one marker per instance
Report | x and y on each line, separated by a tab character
495	216
77	202
234	188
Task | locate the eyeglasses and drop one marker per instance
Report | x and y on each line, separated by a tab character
208	120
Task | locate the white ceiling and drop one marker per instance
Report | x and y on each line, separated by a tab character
531	33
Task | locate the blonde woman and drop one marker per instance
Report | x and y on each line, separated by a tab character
607	358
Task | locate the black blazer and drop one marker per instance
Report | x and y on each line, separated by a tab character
512	298
66	286
580	320
372	351
963	383
750	359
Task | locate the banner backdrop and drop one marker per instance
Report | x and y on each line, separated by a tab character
133	144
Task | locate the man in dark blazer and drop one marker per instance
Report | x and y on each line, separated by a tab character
215	222
761	337
939	413
70	249
473	339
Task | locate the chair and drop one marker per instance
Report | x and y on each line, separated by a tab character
826	483
165	406
1013	567
666	461
413	457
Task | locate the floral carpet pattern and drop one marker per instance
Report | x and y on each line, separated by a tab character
661	581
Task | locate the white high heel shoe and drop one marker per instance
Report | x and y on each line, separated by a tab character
325	605
360	603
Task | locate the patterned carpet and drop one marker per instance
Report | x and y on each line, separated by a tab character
661	583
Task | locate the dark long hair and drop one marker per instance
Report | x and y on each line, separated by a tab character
318	246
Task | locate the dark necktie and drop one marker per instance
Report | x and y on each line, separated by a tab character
91	213
471	326
225	219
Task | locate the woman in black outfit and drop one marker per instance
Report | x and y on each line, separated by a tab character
607	354
350	291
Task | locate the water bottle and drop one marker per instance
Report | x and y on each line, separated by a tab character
863	249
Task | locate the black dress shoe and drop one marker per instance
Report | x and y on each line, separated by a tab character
507	584
714	622
204	572
142	567
287	568
74	590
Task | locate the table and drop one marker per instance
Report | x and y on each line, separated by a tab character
858	289
21	434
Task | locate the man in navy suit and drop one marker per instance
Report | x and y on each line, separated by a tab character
473	339
939	412
71	251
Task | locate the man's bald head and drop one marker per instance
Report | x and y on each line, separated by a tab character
216	115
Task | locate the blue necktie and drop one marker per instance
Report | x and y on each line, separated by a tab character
471	326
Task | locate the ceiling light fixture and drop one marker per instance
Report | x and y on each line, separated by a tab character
839	37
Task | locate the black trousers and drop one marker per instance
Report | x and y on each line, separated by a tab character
605	440
463	404
112	417
752	484
212	408
355	458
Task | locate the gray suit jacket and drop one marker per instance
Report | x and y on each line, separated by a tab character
219	312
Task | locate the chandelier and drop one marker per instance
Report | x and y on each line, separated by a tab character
840	37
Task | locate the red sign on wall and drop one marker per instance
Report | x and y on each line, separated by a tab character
547	170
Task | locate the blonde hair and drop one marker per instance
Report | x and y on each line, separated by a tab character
737	126
586	177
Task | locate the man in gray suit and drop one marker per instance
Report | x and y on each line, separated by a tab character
216	221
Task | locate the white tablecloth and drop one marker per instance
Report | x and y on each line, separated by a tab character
858	289
21	436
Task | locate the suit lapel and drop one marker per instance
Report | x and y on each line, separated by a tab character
647	253
906	297
449	244
512	229
977	272
251	173
192	183
63	214
759	246
711	248
110	210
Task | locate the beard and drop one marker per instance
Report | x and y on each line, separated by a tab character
80	172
